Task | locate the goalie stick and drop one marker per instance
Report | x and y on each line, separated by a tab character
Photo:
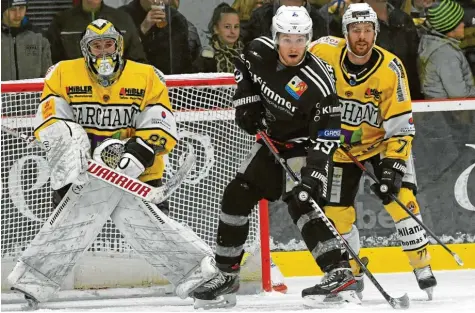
396	303
133	186
395	198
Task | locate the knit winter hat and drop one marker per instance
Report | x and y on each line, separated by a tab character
6	4
445	16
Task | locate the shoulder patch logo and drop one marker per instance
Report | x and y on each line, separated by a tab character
296	87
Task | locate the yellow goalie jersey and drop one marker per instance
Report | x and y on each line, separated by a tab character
137	104
376	104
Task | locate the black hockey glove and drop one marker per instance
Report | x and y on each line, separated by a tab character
248	117
311	185
391	173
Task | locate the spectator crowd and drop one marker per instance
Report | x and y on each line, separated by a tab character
434	39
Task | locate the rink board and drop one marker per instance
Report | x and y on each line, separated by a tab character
381	260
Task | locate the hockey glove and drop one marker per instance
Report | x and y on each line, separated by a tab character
311	185
391	173
248	117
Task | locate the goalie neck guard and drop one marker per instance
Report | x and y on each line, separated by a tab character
104	65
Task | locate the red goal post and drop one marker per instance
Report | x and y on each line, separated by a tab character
203	107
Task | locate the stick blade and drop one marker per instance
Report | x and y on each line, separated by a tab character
401	303
457	259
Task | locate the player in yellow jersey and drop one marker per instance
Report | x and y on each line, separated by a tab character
110	97
120	111
377	127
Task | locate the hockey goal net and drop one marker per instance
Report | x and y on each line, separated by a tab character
206	127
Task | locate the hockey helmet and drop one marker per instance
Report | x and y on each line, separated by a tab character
291	20
359	13
102	47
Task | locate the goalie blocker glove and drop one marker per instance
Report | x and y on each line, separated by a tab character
137	157
390	176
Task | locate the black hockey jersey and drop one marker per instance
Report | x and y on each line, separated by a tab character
289	95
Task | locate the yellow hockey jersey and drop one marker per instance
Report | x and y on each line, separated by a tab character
137	104
376	104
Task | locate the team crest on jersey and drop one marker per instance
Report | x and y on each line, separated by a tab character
131	92
296	87
371	92
78	90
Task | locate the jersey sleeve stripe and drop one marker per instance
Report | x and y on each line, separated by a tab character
48	96
399	126
331	82
265	41
325	92
397	115
327	85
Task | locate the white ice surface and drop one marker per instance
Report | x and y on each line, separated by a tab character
455	293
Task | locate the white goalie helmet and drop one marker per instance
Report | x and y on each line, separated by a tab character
359	13
291	20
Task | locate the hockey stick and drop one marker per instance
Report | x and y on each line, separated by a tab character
396	303
133	186
405	208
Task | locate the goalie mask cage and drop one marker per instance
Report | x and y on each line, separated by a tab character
205	118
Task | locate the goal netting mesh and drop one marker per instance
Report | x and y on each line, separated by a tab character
206	127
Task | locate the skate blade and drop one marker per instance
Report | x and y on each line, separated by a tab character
334	300
430	293
360	295
221	302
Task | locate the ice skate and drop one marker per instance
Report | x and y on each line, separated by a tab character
426	280
219	292
31	302
337	286
359	277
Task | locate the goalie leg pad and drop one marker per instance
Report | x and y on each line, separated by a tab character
170	247
71	228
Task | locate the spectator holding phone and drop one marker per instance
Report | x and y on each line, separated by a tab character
164	34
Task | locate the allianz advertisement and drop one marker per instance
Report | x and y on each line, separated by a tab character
444	151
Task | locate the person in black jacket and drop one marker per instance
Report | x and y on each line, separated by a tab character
261	20
164	34
225	44
398	35
66	29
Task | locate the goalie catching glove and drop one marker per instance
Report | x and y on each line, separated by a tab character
67	151
130	157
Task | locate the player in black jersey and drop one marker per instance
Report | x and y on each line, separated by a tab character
293	93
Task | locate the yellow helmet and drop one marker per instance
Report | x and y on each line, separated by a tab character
103	59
